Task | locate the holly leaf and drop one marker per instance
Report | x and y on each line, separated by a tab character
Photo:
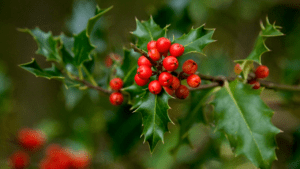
147	31
47	44
154	109
48	73
246	120
270	30
195	115
67	45
196	40
82	48
92	21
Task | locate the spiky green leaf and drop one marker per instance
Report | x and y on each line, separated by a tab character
135	94
246	120
92	21
196	40
154	109
47	44
82	48
147	31
269	30
48	73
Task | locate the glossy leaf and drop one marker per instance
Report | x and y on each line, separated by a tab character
67	45
196	40
154	109
47	44
147	31
48	73
246	120
82	48
92	21
269	30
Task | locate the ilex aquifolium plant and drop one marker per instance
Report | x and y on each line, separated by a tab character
147	76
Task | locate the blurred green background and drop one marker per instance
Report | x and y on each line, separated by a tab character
86	120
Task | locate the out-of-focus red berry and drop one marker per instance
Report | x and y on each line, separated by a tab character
30	139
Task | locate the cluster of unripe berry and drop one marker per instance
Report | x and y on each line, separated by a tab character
163	66
261	72
56	157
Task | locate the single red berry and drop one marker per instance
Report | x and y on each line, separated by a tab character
19	160
151	45
165	79
154	54
169	91
116	84
256	84
144	72
170	63
80	159
163	45
155	87
193	80
262	72
144	61
189	66
139	81
175	83
116	98
30	139
182	92
237	69
108	61
176	50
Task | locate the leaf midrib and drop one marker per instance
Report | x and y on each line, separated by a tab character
241	114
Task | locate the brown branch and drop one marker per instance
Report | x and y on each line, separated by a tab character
89	85
206	86
140	51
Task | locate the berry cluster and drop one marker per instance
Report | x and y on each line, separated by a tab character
32	140
116	98
163	65
58	157
261	72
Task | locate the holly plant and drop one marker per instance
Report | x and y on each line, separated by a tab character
148	75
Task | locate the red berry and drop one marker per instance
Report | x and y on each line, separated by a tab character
151	45
30	139
155	87
139	81
256	84
169	91
175	83
182	92
163	45
116	98
108	61
194	81
52	149
262	72
165	79
144	72
144	61
80	159
56	157
237	69
189	66
176	50
154	54
170	63
116	84
19	160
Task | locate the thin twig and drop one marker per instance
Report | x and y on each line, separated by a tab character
206	86
140	51
89	85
